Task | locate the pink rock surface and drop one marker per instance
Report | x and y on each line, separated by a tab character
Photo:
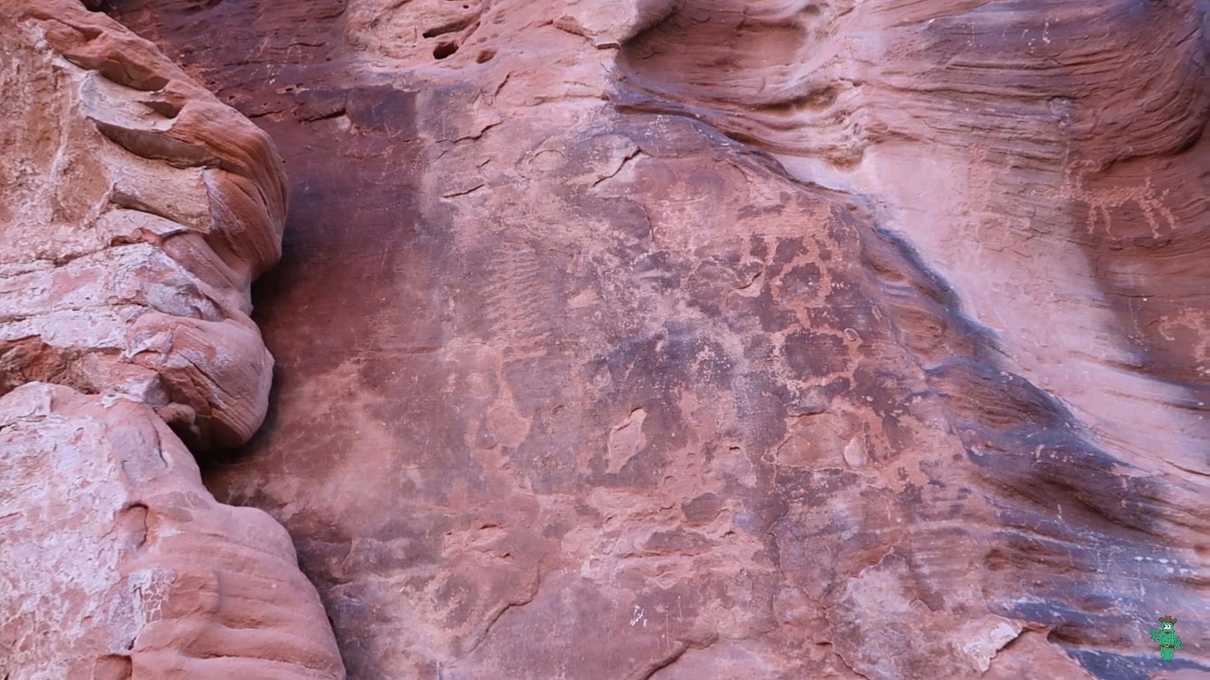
716	339
118	563
1046	159
137	210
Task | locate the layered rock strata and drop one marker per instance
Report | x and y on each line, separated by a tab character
118	563
136	211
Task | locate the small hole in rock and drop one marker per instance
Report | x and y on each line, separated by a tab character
485	56
445	49
165	109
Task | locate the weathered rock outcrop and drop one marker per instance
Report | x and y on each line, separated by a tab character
136	210
118	563
708	338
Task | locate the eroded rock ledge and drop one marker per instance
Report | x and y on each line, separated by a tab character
137	210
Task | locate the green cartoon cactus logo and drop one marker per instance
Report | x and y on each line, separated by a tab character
1165	635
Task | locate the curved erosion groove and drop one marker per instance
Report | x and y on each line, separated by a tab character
696	339
136	212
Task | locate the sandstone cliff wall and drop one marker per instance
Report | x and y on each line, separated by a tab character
717	339
136	211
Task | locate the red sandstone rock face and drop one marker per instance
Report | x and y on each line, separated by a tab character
136	211
1046	160
732	339
119	564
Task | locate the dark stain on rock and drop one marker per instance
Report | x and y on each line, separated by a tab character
801	282
1112	666
815	355
702	509
382	109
